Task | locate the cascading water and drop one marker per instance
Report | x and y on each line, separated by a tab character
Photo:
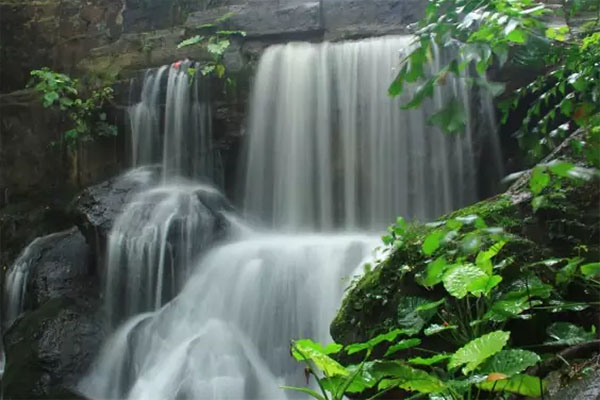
171	124
328	152
329	148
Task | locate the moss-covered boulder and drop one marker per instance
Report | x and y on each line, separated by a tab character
567	224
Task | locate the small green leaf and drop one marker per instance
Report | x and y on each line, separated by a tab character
478	350
405	377
436	328
434	272
371	343
517	35
539	180
304	390
483	284
432	242
430	360
410	317
190	41
402	345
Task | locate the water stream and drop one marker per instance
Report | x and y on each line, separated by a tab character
330	161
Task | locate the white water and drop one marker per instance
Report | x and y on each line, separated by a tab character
227	334
152	245
327	151
328	148
171	124
15	282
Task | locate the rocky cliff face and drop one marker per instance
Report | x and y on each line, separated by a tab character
120	38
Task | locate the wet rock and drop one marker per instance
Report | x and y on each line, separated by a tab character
584	389
62	270
49	349
97	207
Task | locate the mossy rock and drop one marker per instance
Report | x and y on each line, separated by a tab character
562	228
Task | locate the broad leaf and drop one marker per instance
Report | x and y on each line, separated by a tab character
411	316
405	377
539	180
457	279
591	270
484	258
567	334
306	349
478	350
525	385
509	362
483	284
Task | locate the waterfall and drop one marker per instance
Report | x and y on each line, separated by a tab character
330	161
171	124
15	285
328	148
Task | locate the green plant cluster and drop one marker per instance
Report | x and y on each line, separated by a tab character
474	293
85	112
216	41
488	34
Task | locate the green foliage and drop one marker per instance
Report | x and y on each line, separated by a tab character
478	350
490	33
216	41
482	291
61	91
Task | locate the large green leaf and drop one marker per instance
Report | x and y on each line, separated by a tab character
539	180
306	349
478	350
529	286
414	312
503	310
591	270
483	284
457	279
567	334
397	374
525	385
509	362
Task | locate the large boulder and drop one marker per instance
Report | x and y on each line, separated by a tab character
568	222
97	207
49	349
53	294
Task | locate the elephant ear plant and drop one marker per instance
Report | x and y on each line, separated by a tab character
475	294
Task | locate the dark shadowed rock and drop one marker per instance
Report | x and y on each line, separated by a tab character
97	207
63	270
49	349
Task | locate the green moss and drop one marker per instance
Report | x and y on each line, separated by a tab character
497	211
569	223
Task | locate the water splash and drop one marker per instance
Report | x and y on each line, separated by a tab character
227	334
